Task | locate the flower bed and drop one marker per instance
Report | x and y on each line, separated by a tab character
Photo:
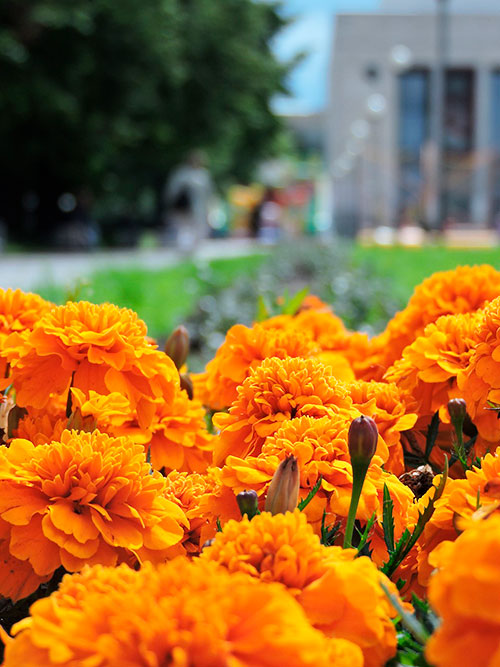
314	497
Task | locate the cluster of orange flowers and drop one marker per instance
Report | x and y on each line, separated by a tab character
115	476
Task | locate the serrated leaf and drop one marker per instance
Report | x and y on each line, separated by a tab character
409	621
407	539
262	309
432	432
291	306
366	533
305	502
388	520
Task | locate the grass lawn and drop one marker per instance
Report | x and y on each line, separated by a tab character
165	298
407	267
161	298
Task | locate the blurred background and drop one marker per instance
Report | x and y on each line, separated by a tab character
176	138
121	124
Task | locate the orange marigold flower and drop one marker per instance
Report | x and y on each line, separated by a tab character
279	547
463	290
19	311
465	592
89	498
348	601
481	383
320	446
176	435
284	549
429	367
243	350
276	391
192	492
392	413
459	502
316	443
40	429
87	346
180	613
180	439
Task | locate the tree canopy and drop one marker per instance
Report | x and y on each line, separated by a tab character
107	96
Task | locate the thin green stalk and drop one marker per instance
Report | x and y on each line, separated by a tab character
358	478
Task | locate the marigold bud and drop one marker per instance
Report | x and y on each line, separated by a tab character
457	409
248	502
362	439
177	346
283	493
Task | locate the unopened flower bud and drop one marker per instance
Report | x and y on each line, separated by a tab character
362	440
283	493
457	409
187	385
362	443
248	502
177	346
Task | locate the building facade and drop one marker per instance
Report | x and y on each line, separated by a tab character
382	148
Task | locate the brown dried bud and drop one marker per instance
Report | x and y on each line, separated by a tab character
362	440
283	493
248	502
78	422
187	385
177	346
457	409
418	480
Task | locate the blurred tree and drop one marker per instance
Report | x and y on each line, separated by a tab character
101	98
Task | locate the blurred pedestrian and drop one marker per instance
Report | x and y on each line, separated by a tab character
186	199
267	217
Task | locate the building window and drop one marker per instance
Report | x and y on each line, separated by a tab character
413	132
495	146
458	144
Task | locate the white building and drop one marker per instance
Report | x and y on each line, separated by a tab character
380	139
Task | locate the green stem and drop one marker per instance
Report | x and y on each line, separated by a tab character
358	478
459	446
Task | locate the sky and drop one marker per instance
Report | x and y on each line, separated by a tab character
311	31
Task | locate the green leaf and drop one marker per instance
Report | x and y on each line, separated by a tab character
366	533
432	435
305	502
291	306
407	539
409	621
388	520
218	524
329	533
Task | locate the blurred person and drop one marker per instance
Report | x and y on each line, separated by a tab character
267	218
186	198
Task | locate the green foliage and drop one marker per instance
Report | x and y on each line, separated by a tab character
408	539
329	533
162	298
388	520
359	297
432	434
364	545
111	95
305	502
407	267
413	631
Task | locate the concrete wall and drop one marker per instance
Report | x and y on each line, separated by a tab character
364	41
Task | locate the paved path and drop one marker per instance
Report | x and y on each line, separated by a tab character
29	271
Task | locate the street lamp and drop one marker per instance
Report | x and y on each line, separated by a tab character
437	117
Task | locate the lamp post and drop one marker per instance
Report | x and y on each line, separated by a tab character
437	116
